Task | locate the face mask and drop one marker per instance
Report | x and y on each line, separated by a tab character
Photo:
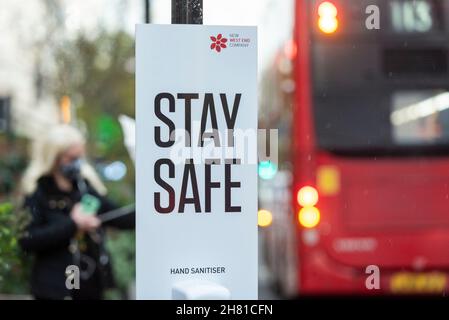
71	170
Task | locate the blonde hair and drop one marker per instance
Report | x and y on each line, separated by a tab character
45	152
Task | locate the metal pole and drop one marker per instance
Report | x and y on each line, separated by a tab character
147	11
187	11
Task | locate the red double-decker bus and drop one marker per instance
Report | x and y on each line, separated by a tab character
370	153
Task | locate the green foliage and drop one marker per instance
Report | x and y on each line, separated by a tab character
108	133
12	164
122	246
13	263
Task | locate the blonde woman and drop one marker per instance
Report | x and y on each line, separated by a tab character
62	231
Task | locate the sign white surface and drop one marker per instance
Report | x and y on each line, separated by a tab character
196	221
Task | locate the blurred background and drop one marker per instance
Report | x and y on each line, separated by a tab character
67	61
358	91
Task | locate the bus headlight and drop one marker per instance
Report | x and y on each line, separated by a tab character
309	217
307	196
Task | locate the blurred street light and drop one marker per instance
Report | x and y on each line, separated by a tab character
264	218
115	171
267	170
65	107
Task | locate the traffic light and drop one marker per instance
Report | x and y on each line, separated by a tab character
267	170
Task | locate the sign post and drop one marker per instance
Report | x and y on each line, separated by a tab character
196	162
187	11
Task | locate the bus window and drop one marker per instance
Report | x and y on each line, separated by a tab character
420	117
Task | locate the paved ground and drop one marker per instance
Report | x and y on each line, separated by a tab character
266	291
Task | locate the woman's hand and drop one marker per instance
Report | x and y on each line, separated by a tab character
83	221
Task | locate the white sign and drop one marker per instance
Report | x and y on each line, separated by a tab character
196	112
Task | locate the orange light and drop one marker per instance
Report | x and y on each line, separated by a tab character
309	217
264	218
328	25
328	22
290	49
307	196
327	9
65	105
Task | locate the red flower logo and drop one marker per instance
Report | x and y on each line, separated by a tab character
218	42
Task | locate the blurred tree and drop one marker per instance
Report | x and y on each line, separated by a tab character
122	245
11	165
97	73
95	70
13	263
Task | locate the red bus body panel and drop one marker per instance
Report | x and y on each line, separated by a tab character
388	212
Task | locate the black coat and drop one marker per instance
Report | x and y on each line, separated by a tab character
49	236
